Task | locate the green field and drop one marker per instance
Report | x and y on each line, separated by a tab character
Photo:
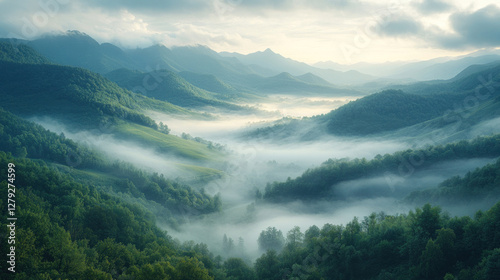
168	144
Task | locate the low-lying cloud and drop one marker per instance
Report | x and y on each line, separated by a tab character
432	6
116	149
468	29
480	28
400	26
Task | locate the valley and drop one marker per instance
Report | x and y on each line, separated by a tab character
186	159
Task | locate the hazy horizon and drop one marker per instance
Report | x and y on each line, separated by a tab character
311	32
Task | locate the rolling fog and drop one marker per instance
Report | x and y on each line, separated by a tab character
117	149
254	163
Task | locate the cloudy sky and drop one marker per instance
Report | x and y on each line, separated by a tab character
344	31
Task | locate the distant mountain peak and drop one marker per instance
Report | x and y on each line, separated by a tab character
285	75
76	33
308	74
157	46
70	36
268	51
201	49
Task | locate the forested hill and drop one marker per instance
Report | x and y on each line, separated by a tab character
73	218
386	111
79	100
475	77
25	139
79	50
377	113
473	97
208	82
318	183
69	230
482	183
20	53
71	94
168	86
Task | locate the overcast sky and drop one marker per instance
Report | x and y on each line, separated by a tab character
307	30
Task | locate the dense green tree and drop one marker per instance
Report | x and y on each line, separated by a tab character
268	266
294	237
432	262
237	269
271	239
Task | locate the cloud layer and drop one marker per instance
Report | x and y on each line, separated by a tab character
432	6
308	31
465	30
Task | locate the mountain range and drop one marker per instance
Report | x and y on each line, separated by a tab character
239	71
269	63
441	68
78	49
456	106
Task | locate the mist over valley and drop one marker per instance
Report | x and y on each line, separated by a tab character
165	161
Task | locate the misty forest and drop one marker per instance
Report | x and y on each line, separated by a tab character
187	163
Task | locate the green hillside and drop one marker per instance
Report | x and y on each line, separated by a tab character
169	144
415	111
482	183
28	140
77	49
461	123
69	230
167	86
20	53
81	99
72	94
210	83
317	183
286	83
373	114
385	111
486	75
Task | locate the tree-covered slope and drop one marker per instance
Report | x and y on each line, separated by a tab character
81	216
482	183
82	100
72	94
373	114
471	98
210	83
166	86
480	78
318	183
385	111
75	48
25	139
285	83
68	230
13	51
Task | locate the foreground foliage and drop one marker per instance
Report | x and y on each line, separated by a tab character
424	244
67	230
